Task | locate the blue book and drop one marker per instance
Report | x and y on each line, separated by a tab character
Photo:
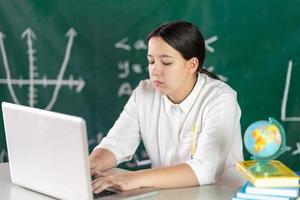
243	195
286	192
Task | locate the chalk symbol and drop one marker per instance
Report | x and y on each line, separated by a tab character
286	94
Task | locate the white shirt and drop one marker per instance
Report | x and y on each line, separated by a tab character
208	120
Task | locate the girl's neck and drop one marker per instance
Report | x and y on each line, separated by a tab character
184	92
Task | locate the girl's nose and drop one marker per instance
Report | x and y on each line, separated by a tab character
155	70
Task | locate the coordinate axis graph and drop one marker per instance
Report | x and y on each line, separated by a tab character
34	79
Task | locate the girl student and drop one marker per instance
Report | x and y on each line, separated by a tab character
188	120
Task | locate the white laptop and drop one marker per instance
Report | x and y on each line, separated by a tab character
48	153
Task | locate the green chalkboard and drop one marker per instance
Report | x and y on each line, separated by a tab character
85	57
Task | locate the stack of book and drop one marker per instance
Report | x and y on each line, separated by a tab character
248	191
280	185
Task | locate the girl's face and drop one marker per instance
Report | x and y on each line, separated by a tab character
169	72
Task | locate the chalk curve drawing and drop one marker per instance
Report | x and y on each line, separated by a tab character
33	79
284	116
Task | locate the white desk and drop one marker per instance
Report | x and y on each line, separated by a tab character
9	191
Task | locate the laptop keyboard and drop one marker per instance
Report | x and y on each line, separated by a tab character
104	193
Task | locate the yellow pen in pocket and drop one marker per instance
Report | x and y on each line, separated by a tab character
194	140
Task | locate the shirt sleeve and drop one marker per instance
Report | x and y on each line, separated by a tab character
124	137
221	122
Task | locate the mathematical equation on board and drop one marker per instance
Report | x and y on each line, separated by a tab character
126	68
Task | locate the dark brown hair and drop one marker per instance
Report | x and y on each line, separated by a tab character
187	39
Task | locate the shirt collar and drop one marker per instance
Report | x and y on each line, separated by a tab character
187	103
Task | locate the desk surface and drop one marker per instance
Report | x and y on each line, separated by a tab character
9	191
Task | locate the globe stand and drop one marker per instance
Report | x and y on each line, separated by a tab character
262	168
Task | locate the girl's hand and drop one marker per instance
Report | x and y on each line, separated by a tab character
101	160
95	169
122	181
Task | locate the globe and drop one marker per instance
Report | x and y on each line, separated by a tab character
265	140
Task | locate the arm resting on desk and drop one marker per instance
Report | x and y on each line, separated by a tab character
180	175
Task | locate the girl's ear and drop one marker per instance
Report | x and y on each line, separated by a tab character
193	64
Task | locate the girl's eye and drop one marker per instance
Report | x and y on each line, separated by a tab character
167	63
150	62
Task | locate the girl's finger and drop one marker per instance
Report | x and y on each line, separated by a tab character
102	186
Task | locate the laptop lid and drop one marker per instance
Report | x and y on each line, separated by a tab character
47	151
